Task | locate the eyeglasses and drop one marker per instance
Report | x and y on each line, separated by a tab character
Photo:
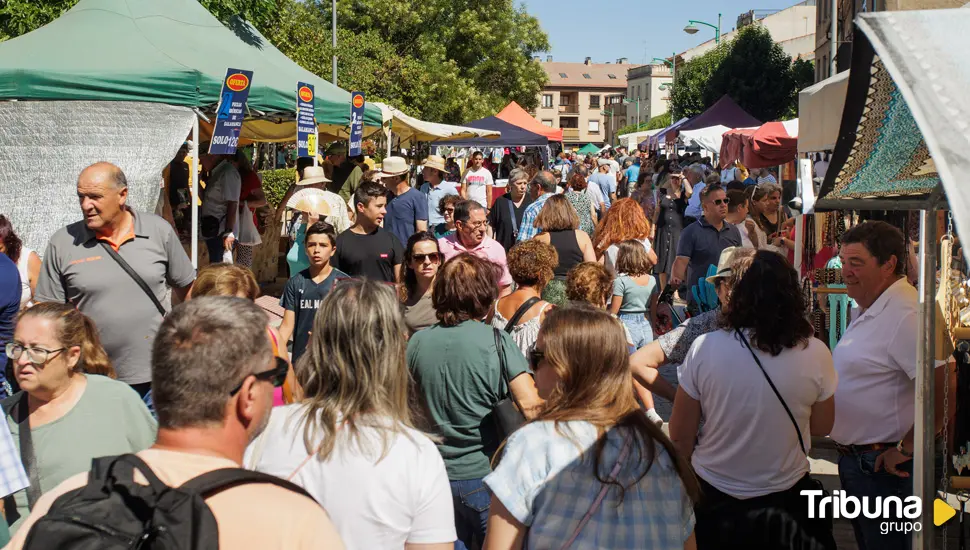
719	202
535	357
420	258
37	356
476	225
276	375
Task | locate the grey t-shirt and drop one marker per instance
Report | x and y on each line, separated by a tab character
77	270
223	186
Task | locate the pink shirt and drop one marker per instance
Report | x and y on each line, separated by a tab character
489	249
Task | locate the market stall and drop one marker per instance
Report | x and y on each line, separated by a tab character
820	113
410	130
653	142
725	112
513	113
771	144
903	145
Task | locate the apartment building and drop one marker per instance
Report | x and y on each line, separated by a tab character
847	10
579	99
793	28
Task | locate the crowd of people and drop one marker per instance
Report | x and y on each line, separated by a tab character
458	366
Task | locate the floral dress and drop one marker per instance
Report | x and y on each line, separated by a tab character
580	201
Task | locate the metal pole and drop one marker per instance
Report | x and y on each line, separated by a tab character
334	33
638	113
194	168
834	41
925	429
673	82
718	36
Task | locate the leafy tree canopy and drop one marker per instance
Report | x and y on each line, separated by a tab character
440	60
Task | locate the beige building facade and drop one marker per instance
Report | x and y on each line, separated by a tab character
792	28
581	98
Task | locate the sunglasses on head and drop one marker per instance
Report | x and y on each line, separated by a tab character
275	375
420	258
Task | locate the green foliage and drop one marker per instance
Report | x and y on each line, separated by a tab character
752	69
658	122
19	17
276	183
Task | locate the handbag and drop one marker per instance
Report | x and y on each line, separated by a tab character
248	232
508	415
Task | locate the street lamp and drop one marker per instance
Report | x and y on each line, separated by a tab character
673	74
691	28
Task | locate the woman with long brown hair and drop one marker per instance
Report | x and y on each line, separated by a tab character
352	439
69	405
624	221
560	228
765	386
590	468
422	257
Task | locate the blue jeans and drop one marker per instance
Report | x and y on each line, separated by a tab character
859	478
471	500
639	327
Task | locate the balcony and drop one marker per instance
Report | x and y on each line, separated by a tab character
569	109
570	134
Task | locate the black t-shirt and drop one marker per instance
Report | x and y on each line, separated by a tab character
373	256
500	218
302	296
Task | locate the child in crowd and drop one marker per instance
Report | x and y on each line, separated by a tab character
635	292
305	290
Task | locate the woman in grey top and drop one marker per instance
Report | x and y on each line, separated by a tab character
421	261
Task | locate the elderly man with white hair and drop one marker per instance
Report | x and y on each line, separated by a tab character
695	175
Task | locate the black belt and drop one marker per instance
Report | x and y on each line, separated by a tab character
860	449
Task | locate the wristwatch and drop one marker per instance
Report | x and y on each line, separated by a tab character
902	451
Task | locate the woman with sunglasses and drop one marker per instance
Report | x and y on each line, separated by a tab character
421	260
352	442
446	207
672	194
69	404
590	471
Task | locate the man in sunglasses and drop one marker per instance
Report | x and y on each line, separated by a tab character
701	243
213	374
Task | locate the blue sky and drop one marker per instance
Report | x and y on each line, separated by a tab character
637	29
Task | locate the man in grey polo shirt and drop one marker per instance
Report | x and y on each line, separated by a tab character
701	243
79	270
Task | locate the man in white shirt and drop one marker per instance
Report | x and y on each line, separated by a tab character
477	183
695	176
876	364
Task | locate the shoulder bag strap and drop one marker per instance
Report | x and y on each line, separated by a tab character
774	389
20	412
503	366
624	452
515	223
520	312
134	276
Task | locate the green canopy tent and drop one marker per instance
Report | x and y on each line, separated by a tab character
163	51
589	149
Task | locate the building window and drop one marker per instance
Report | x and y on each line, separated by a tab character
547	122
638	92
586	76
594	102
612	76
594	126
547	101
563	75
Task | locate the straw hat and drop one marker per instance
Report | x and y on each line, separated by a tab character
434	161
393	166
313	174
724	264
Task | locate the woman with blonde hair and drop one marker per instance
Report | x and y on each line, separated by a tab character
68	407
624	221
560	228
352	443
590	471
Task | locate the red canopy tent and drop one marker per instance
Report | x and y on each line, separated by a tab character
514	114
771	144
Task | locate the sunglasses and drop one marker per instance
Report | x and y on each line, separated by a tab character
276	375
420	258
719	202
535	357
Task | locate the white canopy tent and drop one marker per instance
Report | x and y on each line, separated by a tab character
820	112
409	129
632	141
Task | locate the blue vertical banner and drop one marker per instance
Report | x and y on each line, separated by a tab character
231	112
356	123
306	121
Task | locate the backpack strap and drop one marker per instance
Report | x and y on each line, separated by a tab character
211	483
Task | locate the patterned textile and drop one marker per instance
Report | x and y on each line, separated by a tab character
529	229
12	475
677	342
548	486
555	292
584	210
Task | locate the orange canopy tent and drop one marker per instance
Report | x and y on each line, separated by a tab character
514	114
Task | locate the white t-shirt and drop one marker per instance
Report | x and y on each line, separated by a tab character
747	446
223	186
403	498
477	181
746	240
614	249
876	362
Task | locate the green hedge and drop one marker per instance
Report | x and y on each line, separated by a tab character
275	184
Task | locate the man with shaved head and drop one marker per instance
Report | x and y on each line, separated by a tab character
83	266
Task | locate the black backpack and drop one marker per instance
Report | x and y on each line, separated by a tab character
114	512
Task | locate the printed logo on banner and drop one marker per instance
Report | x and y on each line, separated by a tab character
306	122
231	112
356	124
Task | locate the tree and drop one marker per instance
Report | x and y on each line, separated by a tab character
803	71
689	95
660	121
